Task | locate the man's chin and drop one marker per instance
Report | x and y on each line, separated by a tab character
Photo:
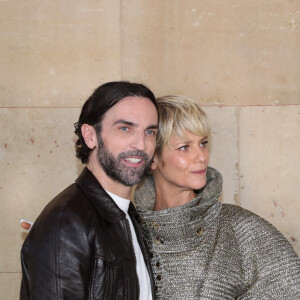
130	182
127	178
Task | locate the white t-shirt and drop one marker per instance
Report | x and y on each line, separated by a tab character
141	269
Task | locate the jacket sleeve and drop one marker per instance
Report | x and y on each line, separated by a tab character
56	256
272	268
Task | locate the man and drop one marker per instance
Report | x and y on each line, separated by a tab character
86	243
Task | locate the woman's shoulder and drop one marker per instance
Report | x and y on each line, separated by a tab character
268	259
251	230
242	219
235	212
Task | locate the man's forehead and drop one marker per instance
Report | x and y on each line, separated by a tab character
133	104
130	101
133	109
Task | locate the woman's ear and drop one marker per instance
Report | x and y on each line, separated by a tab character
89	135
154	163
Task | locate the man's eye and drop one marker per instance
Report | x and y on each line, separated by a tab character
150	132
124	128
204	144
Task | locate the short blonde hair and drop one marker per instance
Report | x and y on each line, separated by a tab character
178	115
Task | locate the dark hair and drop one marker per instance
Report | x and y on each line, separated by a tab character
104	98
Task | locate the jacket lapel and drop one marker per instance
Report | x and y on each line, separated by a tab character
102	202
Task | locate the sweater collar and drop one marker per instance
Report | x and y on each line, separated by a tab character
145	195
179	228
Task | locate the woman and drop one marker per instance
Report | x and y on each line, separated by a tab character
200	248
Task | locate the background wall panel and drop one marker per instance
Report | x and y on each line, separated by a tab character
238	58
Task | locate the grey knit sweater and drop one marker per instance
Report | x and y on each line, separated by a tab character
208	250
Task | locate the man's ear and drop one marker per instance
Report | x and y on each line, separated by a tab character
89	135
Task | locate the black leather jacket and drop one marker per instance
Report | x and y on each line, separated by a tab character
80	247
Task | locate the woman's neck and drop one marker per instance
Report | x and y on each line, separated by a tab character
168	197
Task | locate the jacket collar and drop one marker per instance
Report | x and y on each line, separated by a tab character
102	202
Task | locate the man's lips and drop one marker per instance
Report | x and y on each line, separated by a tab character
134	161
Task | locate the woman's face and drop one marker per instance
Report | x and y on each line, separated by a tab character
183	164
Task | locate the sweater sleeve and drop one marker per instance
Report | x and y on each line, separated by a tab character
271	266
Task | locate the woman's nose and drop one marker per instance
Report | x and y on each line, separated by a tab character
202	155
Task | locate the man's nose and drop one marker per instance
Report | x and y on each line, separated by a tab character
138	141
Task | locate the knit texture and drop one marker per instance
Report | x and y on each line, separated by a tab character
208	250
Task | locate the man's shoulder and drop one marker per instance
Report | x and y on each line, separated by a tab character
70	197
67	213
69	205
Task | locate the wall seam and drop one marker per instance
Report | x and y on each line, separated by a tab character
237	196
201	104
121	38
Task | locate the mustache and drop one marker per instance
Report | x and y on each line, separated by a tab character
139	153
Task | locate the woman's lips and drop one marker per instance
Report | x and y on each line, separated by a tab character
199	172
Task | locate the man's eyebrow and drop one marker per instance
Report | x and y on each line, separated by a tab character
125	122
129	123
152	127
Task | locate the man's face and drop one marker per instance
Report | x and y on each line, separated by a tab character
127	140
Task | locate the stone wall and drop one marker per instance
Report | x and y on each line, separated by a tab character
239	59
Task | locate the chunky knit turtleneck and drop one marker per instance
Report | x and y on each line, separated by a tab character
208	250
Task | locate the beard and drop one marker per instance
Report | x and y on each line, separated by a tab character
116	169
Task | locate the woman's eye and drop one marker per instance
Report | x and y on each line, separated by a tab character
183	148
204	144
